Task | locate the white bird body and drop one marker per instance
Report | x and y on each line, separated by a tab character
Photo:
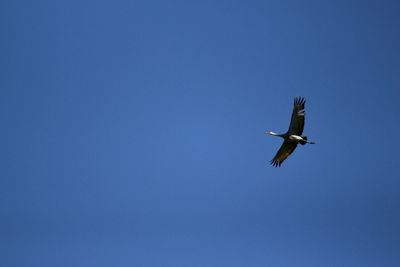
296	138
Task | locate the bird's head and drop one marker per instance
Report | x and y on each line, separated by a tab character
271	133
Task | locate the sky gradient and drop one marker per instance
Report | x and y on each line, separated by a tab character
132	133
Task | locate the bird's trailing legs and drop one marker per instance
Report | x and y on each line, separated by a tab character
300	139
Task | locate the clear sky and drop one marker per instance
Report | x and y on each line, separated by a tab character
132	133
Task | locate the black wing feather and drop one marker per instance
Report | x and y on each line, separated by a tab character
298	117
283	153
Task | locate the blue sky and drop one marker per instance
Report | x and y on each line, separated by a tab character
132	133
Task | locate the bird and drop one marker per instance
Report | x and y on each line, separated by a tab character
293	136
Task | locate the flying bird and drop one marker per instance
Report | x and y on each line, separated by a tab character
293	136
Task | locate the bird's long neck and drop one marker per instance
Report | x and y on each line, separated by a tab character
275	134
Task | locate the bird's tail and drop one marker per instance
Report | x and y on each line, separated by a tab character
303	142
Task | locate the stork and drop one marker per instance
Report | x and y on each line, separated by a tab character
293	136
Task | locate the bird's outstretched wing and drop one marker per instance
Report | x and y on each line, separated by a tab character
286	149
298	116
